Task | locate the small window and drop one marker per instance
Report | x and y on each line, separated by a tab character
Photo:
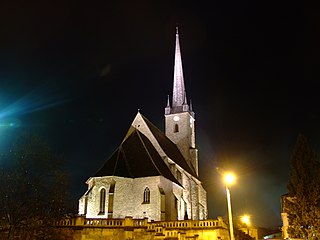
176	128
146	195
102	201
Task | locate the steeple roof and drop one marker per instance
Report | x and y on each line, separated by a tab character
178	96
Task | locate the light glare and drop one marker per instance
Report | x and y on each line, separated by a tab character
229	178
246	219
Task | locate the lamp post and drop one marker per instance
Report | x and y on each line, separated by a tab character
229	178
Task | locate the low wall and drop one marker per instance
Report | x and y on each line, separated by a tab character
76	228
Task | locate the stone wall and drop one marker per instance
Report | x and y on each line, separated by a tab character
140	229
128	198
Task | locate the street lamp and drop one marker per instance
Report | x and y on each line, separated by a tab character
246	220
229	179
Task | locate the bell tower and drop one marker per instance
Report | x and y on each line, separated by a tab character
179	116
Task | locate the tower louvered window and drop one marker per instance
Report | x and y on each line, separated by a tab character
146	195
176	128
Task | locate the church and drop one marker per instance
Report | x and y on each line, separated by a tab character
152	175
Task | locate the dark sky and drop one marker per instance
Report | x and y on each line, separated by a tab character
76	72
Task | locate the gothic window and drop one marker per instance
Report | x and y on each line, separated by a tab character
111	197
176	128
102	201
146	195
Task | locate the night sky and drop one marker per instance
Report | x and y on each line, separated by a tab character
76	73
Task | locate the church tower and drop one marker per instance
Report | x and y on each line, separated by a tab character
179	117
152	174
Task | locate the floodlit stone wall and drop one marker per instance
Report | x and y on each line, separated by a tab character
128	198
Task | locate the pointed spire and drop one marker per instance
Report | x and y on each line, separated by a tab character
185	102
167	109
168	102
185	106
178	82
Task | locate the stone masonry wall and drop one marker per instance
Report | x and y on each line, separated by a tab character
128	198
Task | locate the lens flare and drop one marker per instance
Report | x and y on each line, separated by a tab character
43	97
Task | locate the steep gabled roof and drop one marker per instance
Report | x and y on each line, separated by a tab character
136	157
169	147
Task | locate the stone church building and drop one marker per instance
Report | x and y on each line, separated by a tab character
152	175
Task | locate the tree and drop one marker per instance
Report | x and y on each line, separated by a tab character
303	200
33	190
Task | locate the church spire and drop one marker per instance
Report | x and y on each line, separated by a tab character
179	118
178	98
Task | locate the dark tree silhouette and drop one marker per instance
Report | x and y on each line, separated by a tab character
33	190
303	199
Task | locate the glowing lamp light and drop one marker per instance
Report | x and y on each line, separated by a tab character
245	219
229	178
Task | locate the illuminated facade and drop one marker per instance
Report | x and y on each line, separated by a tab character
152	174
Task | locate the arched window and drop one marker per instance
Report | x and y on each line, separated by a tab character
146	195
176	128
102	201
